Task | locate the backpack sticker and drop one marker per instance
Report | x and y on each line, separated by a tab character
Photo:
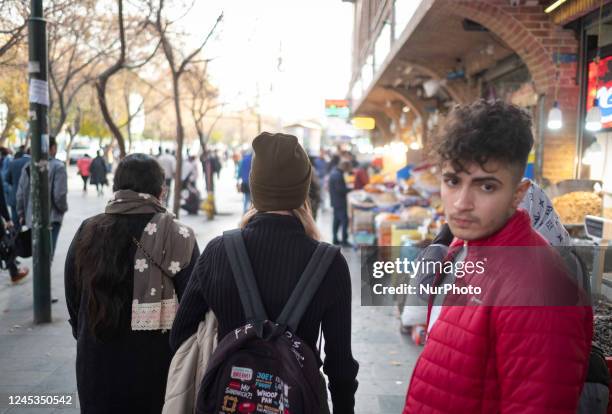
264	380
267	397
266	409
229	404
242	391
246	407
242	374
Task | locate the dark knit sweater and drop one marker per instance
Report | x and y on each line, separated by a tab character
279	250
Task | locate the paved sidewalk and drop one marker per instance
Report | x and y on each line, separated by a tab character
37	359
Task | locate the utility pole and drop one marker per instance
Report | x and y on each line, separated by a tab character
39	184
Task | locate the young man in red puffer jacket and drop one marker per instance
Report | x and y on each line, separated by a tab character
520	344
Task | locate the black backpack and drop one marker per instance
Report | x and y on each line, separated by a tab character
263	367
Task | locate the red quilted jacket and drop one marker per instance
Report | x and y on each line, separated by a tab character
505	359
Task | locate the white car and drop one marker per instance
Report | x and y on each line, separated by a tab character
78	151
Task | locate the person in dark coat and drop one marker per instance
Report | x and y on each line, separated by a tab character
22	157
280	237
16	272
97	173
337	194
125	271
314	192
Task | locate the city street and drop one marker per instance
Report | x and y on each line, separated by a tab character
40	359
464	147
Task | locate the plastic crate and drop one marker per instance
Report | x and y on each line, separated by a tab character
363	238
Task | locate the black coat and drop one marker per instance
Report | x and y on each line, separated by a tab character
97	171
338	189
126	374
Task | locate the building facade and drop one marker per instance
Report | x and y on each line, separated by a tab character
414	59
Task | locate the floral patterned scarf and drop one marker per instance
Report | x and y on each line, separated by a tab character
164	249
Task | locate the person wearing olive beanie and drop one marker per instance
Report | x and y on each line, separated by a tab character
280	237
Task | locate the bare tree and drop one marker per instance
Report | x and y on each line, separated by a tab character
73	129
202	98
71	60
14	16
120	63
105	76
178	65
13	24
151	96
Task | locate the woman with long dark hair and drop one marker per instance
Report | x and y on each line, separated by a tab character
280	236
126	270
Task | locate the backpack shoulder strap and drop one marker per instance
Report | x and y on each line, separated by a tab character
307	286
243	275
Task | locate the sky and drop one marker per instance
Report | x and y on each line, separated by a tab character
296	53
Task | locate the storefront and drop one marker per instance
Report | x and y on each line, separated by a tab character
594	143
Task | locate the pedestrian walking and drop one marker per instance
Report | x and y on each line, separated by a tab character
5	160
190	171
190	195
22	157
83	166
244	169
97	173
322	166
126	270
7	255
337	194
314	192
280	237
521	343
168	163
211	166
58	191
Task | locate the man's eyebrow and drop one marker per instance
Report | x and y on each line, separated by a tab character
486	178
449	174
477	180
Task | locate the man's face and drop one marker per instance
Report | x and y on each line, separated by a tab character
52	150
479	201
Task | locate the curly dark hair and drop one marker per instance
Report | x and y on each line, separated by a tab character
484	131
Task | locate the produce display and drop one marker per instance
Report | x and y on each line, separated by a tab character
415	214
573	207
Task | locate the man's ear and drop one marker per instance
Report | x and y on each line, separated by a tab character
519	193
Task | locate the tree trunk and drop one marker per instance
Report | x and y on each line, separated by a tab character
69	146
101	92
4	136
179	146
10	119
60	123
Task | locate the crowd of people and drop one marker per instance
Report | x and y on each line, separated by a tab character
191	196
152	296
327	186
16	203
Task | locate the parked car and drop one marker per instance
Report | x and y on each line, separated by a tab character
79	150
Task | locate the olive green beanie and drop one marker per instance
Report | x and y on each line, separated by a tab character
280	173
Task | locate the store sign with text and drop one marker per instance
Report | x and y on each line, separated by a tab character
600	87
